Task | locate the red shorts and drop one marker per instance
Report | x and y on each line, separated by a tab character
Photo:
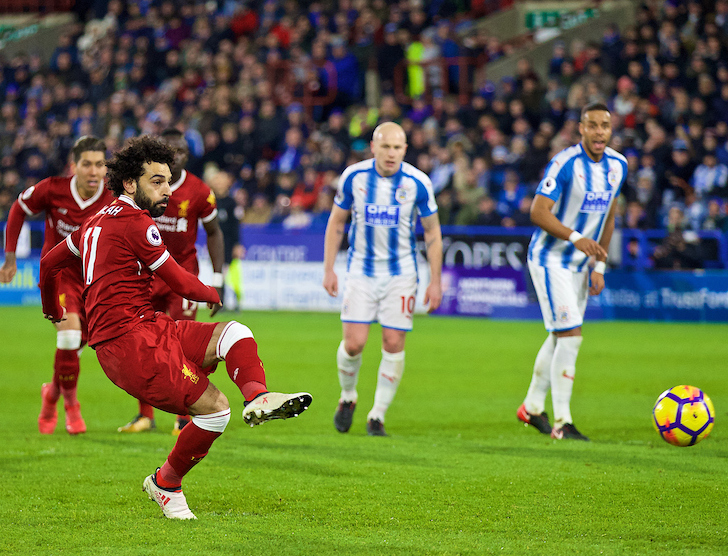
166	301
160	362
70	293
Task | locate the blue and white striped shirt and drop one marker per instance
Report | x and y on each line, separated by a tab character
583	191
384	213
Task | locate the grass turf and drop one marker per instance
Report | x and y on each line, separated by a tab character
458	475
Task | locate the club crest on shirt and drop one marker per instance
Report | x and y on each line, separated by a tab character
401	195
184	206
612	178
596	201
153	236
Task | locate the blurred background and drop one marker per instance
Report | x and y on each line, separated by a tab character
277	97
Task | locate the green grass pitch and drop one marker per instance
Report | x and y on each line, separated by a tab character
458	475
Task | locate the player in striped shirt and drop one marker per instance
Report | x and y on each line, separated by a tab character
574	210
384	196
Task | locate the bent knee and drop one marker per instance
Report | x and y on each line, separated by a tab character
353	347
221	402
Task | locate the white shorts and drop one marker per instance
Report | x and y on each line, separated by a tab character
387	299
562	295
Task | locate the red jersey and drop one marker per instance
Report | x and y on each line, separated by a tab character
65	209
191	200
119	247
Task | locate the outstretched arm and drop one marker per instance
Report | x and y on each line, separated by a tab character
332	243
186	284
51	265
433	246
16	217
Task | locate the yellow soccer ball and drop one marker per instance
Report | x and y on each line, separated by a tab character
683	415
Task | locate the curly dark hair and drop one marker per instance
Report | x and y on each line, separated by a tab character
128	163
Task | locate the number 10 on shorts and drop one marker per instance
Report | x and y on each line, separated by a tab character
408	304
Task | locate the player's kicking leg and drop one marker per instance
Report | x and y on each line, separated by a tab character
233	343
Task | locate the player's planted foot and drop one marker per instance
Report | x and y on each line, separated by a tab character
541	422
140	423
74	422
172	501
344	415
179	424
568	431
375	428
48	417
273	405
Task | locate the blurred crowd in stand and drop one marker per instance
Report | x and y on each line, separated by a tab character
228	74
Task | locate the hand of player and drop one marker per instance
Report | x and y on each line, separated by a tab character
331	283
591	248
597	283
54	319
9	268
433	297
216	306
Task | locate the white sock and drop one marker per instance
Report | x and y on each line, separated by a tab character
563	368
535	401
348	373
390	374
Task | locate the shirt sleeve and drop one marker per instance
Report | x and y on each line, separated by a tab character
146	242
554	180
63	255
16	217
209	206
426	204
35	199
186	284
344	196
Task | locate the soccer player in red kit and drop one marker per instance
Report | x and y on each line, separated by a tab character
67	203
158	360
191	200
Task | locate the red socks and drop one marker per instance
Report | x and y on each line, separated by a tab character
146	410
192	445
65	374
245	368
